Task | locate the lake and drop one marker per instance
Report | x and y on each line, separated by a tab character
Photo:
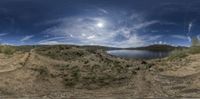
138	54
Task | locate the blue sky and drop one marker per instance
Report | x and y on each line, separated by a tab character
117	23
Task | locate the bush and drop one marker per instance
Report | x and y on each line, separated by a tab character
178	54
8	50
194	50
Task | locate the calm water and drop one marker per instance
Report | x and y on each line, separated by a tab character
138	54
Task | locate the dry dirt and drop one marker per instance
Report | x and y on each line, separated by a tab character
35	76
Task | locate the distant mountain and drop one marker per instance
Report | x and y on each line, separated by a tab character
158	47
155	47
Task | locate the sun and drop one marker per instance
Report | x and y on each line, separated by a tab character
100	25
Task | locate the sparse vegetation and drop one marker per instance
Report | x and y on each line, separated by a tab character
99	74
195	42
194	50
178	54
8	50
78	68
62	52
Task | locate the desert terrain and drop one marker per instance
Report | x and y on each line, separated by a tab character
51	72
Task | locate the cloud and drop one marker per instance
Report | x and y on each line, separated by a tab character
167	23
50	43
83	31
189	39
180	37
160	42
145	24
52	40
3	34
7	44
190	27
27	38
198	36
103	10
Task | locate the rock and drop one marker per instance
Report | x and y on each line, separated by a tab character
143	62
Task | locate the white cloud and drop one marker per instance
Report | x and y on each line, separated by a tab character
83	30
27	38
3	34
53	38
91	37
167	23
189	39
160	42
198	36
50	43
145	24
6	44
103	11
190	27
180	37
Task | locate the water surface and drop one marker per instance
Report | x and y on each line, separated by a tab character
138	54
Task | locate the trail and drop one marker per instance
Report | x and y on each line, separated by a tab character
19	61
183	81
14	63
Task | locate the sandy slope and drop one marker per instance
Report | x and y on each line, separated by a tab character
184	79
31	75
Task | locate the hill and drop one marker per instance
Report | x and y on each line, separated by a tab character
158	47
79	72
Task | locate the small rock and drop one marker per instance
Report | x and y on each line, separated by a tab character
143	62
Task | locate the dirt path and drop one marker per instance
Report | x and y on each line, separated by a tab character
20	60
191	68
183	81
14	63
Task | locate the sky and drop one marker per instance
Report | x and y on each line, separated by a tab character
115	23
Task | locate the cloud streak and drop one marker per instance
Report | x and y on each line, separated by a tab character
180	37
3	34
28	37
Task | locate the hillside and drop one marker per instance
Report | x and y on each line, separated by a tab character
158	47
77	72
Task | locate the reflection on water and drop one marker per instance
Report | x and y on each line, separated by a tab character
138	54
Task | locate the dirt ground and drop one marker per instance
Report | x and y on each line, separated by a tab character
31	75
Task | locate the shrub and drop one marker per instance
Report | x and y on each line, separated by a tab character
194	50
8	50
178	54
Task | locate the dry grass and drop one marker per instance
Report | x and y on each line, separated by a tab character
194	50
178	54
59	74
8	50
90	69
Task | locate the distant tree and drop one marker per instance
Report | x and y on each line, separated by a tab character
195	41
